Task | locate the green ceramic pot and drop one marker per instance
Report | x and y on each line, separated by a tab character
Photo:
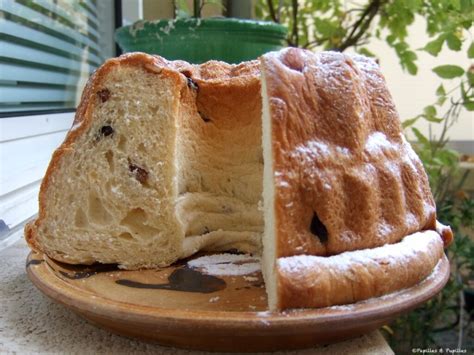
199	40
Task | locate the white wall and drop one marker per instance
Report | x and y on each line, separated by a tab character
132	10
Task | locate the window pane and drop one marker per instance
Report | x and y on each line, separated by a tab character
48	49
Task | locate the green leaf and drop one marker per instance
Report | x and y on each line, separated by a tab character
325	27
430	111
434	119
434	47
467	24
421	138
366	52
447	157
470	77
448	71
440	90
391	39
410	122
470	51
469	105
411	67
454	43
441	100
466	5
438	161
410	56
441	93
464	94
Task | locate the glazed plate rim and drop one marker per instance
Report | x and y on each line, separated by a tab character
375	309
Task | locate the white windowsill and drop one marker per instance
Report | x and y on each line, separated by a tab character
26	145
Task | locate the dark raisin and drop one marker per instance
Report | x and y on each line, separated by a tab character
192	84
206	230
204	117
234	251
140	174
103	94
318	229
106	131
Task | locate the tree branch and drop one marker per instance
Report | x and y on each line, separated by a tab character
197	8
315	43
271	9
359	28
294	32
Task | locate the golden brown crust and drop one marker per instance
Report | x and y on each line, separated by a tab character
310	281
446	233
341	162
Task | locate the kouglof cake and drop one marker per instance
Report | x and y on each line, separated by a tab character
297	157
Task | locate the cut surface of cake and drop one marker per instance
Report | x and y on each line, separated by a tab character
163	160
166	159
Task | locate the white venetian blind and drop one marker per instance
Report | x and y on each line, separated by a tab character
48	49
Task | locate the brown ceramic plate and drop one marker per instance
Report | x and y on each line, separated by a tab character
182	307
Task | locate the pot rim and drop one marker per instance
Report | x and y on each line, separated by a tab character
212	24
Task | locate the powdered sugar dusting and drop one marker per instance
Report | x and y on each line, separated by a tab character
314	150
409	150
393	168
76	125
377	142
384	229
227	264
400	294
435	272
411	221
348	307
342	150
408	248
369	67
